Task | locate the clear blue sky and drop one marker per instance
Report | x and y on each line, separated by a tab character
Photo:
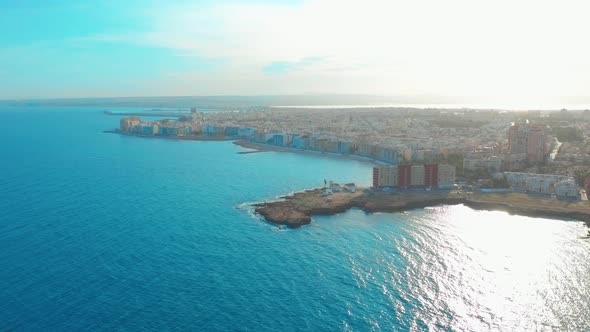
57	48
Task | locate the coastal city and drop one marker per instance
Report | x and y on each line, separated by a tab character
294	165
535	152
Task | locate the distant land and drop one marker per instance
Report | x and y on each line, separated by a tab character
306	100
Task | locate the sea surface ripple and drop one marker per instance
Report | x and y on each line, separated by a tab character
106	232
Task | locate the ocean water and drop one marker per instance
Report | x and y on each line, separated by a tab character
106	232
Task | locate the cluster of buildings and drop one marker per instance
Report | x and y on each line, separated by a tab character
558	185
193	127
189	125
476	142
136	126
429	176
421	136
530	140
527	144
312	143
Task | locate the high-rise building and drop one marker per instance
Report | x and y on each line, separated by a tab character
430	176
446	176
126	124
404	176
529	139
385	176
537	144
417	176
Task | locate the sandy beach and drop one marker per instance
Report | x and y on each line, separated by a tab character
268	147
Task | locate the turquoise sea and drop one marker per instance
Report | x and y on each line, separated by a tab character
106	232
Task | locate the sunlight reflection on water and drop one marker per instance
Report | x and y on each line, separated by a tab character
496	271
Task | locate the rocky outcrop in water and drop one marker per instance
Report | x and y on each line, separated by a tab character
296	210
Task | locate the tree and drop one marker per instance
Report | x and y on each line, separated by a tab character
500	183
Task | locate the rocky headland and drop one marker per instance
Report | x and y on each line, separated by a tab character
297	209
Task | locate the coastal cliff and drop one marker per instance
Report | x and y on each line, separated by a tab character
297	209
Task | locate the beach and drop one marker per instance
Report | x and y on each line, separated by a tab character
267	147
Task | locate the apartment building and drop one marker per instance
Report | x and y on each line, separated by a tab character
560	185
529	139
431	176
446	176
127	124
476	161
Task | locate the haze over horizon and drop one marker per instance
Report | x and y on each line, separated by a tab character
515	53
294	165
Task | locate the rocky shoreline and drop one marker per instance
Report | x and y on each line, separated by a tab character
297	210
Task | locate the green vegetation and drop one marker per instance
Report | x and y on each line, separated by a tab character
568	134
500	183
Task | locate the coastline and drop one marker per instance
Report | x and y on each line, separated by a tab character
267	147
258	147
298	209
176	138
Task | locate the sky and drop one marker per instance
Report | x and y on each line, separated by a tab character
507	49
